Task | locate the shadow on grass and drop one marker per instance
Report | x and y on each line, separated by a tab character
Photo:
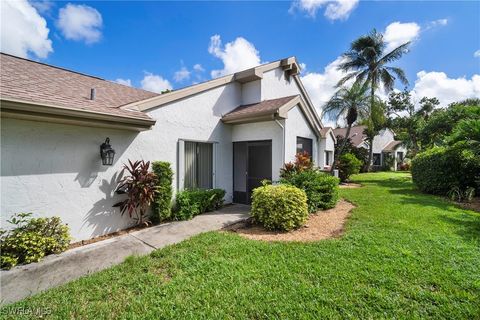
409	195
465	222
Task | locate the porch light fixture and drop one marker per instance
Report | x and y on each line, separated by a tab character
107	153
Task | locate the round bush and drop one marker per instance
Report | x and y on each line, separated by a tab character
321	188
439	169
348	164
280	207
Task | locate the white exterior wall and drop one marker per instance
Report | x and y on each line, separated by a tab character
251	92
298	126
53	169
275	85
326	144
266	130
384	137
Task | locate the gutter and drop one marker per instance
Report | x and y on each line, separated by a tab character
18	109
283	138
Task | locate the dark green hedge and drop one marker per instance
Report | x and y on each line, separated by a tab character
162	205
321	188
439	169
348	164
190	203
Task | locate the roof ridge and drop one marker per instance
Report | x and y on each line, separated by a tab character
52	66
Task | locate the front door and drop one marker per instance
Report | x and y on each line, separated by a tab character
252	163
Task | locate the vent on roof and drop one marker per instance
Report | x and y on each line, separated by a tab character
92	94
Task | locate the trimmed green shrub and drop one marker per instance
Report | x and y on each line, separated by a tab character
279	207
439	169
32	239
162	204
348	164
190	203
321	188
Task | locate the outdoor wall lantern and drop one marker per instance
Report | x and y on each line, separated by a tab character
107	153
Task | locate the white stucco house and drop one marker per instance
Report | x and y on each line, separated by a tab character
230	133
384	145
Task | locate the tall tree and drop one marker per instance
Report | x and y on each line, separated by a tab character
374	123
367	63
406	119
349	104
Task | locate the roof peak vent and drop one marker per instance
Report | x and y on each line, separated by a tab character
93	93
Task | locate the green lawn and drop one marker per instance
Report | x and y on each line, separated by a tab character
404	255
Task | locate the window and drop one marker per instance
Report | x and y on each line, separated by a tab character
399	156
305	144
328	158
377	159
198	165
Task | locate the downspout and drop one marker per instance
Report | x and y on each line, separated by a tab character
283	137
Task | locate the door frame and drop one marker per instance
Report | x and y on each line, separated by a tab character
267	142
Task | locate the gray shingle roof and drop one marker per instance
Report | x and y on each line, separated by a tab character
356	134
257	109
30	81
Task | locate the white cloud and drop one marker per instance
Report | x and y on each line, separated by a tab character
447	90
335	9
198	68
476	54
322	86
23	30
303	67
436	23
181	75
236	55
80	23
155	83
125	82
398	33
42	6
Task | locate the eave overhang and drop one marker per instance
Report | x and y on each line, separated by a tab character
26	110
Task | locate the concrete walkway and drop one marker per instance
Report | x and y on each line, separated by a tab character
54	270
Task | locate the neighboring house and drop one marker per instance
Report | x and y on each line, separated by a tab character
230	133
384	145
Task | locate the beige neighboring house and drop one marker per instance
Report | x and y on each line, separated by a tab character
384	145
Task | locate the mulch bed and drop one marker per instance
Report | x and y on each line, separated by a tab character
349	185
473	205
321	225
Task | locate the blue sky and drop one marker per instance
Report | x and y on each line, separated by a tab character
163	41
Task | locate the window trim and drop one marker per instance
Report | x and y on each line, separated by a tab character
380	157
181	161
305	138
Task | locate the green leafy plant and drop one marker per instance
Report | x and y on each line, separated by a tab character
459	195
190	203
348	164
31	239
321	188
438	169
388	162
162	204
279	207
140	187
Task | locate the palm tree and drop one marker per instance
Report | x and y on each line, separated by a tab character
367	63
350	103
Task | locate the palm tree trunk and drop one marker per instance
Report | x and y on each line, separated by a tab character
370	148
370	155
342	147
